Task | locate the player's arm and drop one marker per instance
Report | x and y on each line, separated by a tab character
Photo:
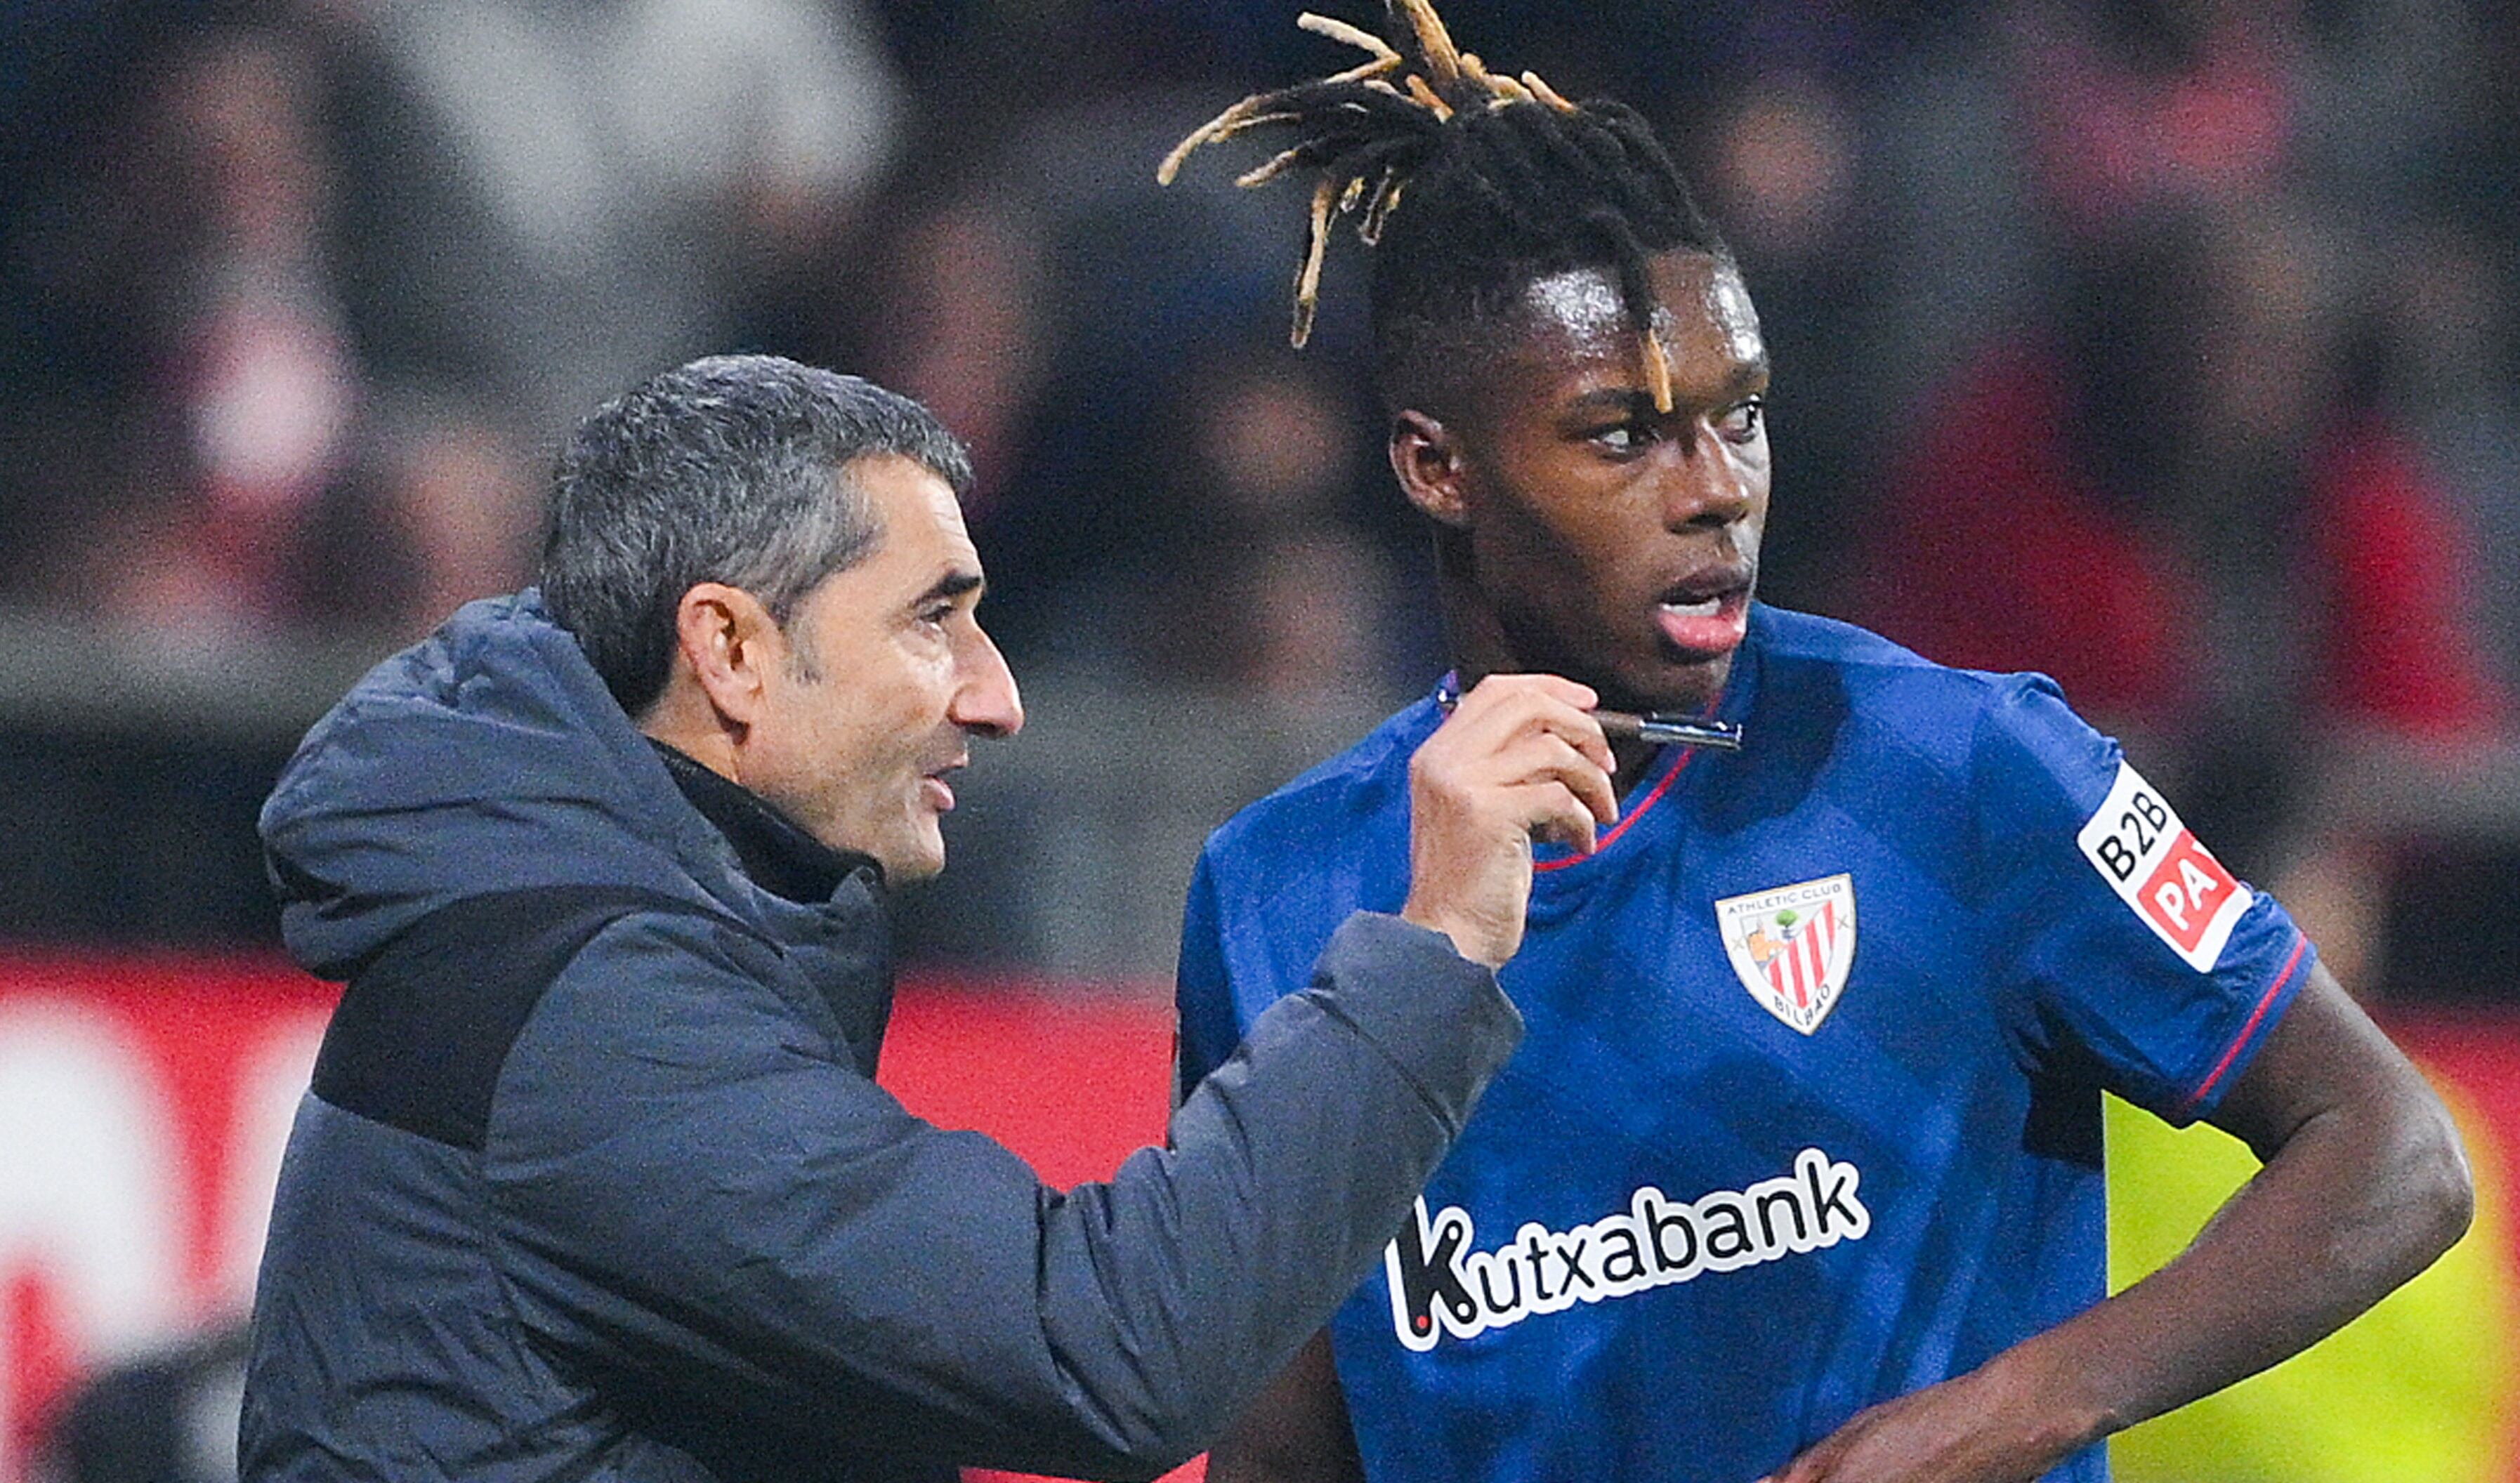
2365	1184
1296	1432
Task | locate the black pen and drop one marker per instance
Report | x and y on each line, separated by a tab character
1657	727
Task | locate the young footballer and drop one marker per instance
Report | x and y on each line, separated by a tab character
1798	1174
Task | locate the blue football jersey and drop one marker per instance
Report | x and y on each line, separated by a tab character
1807	1116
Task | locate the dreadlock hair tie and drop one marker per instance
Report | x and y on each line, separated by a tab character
1507	181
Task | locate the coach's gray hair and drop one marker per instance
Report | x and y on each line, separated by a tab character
732	470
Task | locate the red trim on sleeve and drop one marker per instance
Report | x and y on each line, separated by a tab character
2300	945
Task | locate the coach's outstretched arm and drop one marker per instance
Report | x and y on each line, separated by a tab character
2365	1184
780	1229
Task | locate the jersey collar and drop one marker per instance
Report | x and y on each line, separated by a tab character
1733	704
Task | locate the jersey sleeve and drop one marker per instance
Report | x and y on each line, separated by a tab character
2121	947
1206	1029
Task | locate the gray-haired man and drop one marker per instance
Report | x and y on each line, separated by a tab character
593	1180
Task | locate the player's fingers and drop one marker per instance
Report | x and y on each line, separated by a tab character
1817	1465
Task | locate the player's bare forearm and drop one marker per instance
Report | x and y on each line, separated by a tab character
2365	1184
1297	1431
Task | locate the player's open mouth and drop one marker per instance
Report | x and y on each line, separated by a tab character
1703	620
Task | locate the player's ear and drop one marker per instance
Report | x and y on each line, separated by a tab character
1427	457
730	643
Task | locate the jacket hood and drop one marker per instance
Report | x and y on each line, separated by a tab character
488	757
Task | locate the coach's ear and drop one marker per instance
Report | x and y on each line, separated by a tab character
1428	459
729	646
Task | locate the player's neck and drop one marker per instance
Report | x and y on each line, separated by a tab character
1479	648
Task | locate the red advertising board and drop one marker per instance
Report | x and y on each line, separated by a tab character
144	1103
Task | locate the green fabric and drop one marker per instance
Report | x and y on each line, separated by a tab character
2417	1390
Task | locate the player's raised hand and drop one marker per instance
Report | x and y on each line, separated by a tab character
1518	758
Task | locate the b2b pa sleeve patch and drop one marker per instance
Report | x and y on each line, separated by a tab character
2152	861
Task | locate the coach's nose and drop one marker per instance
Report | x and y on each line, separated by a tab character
986	700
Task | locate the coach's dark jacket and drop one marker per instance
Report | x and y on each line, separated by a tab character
593	1183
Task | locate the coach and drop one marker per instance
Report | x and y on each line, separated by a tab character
593	1181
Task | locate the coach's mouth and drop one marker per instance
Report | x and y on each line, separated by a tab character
933	787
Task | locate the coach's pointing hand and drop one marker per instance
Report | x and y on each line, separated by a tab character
1518	758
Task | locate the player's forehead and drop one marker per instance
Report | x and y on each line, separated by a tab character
1573	327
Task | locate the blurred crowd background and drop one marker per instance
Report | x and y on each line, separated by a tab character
2167	347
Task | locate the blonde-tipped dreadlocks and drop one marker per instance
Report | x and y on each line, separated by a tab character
1507	181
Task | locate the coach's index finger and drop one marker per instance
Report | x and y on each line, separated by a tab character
1559	705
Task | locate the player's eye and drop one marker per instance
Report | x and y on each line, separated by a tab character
1742	421
1626	437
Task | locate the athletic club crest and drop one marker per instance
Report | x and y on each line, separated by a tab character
1793	946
